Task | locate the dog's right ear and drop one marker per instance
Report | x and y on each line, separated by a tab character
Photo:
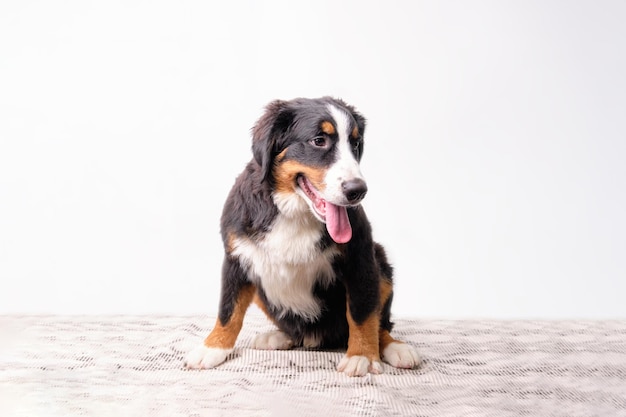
267	134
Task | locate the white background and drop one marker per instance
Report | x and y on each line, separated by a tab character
495	152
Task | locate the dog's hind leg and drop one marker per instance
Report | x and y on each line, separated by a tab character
393	351
235	300
272	340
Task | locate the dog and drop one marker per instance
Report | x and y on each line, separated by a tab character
298	243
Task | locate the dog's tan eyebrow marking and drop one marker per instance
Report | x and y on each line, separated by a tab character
328	128
355	132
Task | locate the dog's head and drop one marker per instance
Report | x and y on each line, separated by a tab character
311	148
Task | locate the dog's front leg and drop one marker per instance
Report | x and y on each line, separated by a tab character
237	294
363	354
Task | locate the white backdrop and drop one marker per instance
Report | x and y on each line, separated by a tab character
495	152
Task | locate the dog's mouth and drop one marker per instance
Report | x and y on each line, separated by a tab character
335	216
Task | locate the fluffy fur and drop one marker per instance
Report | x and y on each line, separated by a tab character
298	243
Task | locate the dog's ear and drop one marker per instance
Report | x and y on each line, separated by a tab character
267	134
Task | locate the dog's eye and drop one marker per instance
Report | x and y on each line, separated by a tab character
319	141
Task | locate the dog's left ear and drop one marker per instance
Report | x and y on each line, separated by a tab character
267	134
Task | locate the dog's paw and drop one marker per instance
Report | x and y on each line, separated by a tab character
275	340
401	355
357	365
204	357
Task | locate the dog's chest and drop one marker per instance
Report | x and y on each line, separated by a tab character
287	263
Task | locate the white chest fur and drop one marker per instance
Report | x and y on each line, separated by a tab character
287	262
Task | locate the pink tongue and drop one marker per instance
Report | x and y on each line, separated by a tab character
337	223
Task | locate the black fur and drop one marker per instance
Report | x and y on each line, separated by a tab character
249	209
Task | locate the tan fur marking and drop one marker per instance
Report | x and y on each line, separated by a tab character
328	128
355	132
385	291
285	176
384	338
224	335
364	338
257	300
230	242
280	156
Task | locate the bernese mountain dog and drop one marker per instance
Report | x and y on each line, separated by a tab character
298	243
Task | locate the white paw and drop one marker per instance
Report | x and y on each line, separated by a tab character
401	355
359	366
204	357
275	340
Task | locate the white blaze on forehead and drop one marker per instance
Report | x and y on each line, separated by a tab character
345	167
342	122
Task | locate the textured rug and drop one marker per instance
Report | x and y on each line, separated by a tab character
133	366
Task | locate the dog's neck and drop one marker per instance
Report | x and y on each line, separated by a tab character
291	205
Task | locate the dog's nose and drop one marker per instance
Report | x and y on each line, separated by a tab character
354	190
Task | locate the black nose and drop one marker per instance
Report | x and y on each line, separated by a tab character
354	190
